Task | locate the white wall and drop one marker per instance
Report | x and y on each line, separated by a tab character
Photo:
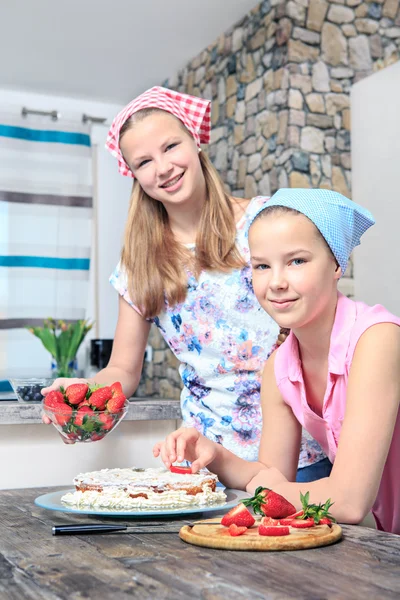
35	455
375	127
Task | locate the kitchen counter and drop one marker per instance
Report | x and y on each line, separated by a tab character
158	564
13	412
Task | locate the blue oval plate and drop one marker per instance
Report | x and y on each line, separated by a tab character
52	501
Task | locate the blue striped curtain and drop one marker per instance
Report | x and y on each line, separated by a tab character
45	234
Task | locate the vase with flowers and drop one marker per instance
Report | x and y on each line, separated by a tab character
62	340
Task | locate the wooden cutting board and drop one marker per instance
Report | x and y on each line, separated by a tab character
216	535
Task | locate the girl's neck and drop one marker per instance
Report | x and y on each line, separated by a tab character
314	339
184	219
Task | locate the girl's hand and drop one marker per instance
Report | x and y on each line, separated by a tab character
186	444
62	382
57	383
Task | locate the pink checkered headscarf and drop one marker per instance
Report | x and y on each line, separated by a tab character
192	111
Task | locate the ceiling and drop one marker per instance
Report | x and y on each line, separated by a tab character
107	50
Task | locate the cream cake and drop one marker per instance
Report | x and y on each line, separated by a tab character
141	489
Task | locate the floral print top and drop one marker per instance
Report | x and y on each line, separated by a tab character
223	337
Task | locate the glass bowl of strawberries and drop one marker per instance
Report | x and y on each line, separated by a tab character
86	413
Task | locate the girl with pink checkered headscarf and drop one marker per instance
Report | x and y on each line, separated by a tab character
185	268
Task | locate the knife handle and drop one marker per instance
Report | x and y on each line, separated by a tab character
82	529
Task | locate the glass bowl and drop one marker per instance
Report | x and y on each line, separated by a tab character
78	425
28	390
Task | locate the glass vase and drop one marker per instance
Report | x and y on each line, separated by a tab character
64	368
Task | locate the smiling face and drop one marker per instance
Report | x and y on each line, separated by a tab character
294	272
164	158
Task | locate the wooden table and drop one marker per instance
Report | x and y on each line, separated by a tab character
35	565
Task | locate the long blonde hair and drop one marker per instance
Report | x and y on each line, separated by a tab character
155	261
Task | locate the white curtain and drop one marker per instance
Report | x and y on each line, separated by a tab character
45	234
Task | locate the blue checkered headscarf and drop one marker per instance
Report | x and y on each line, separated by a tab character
340	221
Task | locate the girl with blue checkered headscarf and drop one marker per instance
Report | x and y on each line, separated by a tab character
337	374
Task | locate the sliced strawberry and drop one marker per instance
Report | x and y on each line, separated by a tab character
273	531
115	404
82	411
99	397
299	513
270	521
53	398
302	523
325	521
238	515
180	470
76	392
235	530
287	521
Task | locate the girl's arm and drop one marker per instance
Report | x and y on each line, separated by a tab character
126	360
373	398
234	472
281	433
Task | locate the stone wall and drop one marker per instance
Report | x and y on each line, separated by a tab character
279	82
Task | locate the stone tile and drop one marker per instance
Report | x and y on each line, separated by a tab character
390	8
299	180
317	10
340	14
300	52
359	53
333	45
295	99
316	103
312	140
320	77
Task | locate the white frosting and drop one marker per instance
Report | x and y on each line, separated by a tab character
148	478
163	489
118	499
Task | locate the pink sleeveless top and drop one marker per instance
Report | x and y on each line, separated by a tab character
351	320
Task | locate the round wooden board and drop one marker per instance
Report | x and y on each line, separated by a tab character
216	535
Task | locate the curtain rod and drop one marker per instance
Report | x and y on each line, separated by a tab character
55	115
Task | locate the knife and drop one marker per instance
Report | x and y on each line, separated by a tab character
104	528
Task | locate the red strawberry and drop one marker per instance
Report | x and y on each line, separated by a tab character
269	521
287	521
99	397
276	506
107	421
302	523
325	521
97	436
299	513
84	403
235	530
53	398
82	411
115	404
76	392
180	470
278	531
116	389
269	503
62	413
238	515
